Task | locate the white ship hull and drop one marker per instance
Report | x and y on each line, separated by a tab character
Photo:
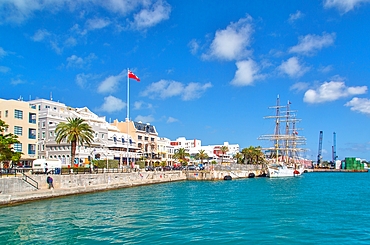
283	171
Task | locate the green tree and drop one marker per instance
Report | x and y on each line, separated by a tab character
223	150
76	132
201	155
238	157
7	152
253	155
181	155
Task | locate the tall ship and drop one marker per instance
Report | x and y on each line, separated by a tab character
284	156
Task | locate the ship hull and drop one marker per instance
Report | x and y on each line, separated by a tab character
283	171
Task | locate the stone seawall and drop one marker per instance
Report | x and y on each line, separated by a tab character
15	190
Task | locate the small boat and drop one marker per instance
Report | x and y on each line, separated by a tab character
227	177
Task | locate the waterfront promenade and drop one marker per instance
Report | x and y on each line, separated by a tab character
14	189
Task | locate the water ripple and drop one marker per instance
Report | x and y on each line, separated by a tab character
324	208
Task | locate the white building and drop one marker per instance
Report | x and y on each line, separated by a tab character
213	151
109	142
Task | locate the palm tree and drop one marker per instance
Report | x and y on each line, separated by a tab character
181	155
238	157
202	155
75	131
253	155
223	149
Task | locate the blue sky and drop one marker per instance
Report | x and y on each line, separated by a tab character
209	69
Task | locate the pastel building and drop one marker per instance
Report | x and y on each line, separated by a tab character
22	119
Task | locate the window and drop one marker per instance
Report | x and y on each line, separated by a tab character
102	136
51	133
146	138
32	117
32	149
123	140
6	113
17	130
18	147
43	124
18	114
152	139
43	135
0	114
140	137
32	133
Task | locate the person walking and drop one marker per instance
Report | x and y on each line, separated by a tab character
49	180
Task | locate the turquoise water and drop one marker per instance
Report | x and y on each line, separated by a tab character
316	208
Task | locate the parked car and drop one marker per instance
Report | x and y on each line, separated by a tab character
167	168
191	167
149	168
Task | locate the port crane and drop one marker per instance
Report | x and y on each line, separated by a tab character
319	155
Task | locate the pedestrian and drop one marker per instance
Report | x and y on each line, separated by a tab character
49	180
46	168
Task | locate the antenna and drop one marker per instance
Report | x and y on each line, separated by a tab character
51	95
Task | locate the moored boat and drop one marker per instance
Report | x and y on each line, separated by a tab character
283	158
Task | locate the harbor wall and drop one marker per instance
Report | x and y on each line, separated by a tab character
14	189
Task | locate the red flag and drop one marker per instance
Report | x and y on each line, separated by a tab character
133	76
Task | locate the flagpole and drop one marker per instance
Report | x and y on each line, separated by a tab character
128	115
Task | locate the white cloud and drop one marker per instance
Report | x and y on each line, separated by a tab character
82	79
194	46
4	69
231	43
110	83
331	91
152	15
2	52
246	74
112	104
78	62
292	67
141	105
97	23
153	11
172	120
70	42
297	15
325	69
144	119
310	44
300	86
344	5
361	105
17	81
40	35
166	89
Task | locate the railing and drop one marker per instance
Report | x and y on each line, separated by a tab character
12	171
66	171
30	181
